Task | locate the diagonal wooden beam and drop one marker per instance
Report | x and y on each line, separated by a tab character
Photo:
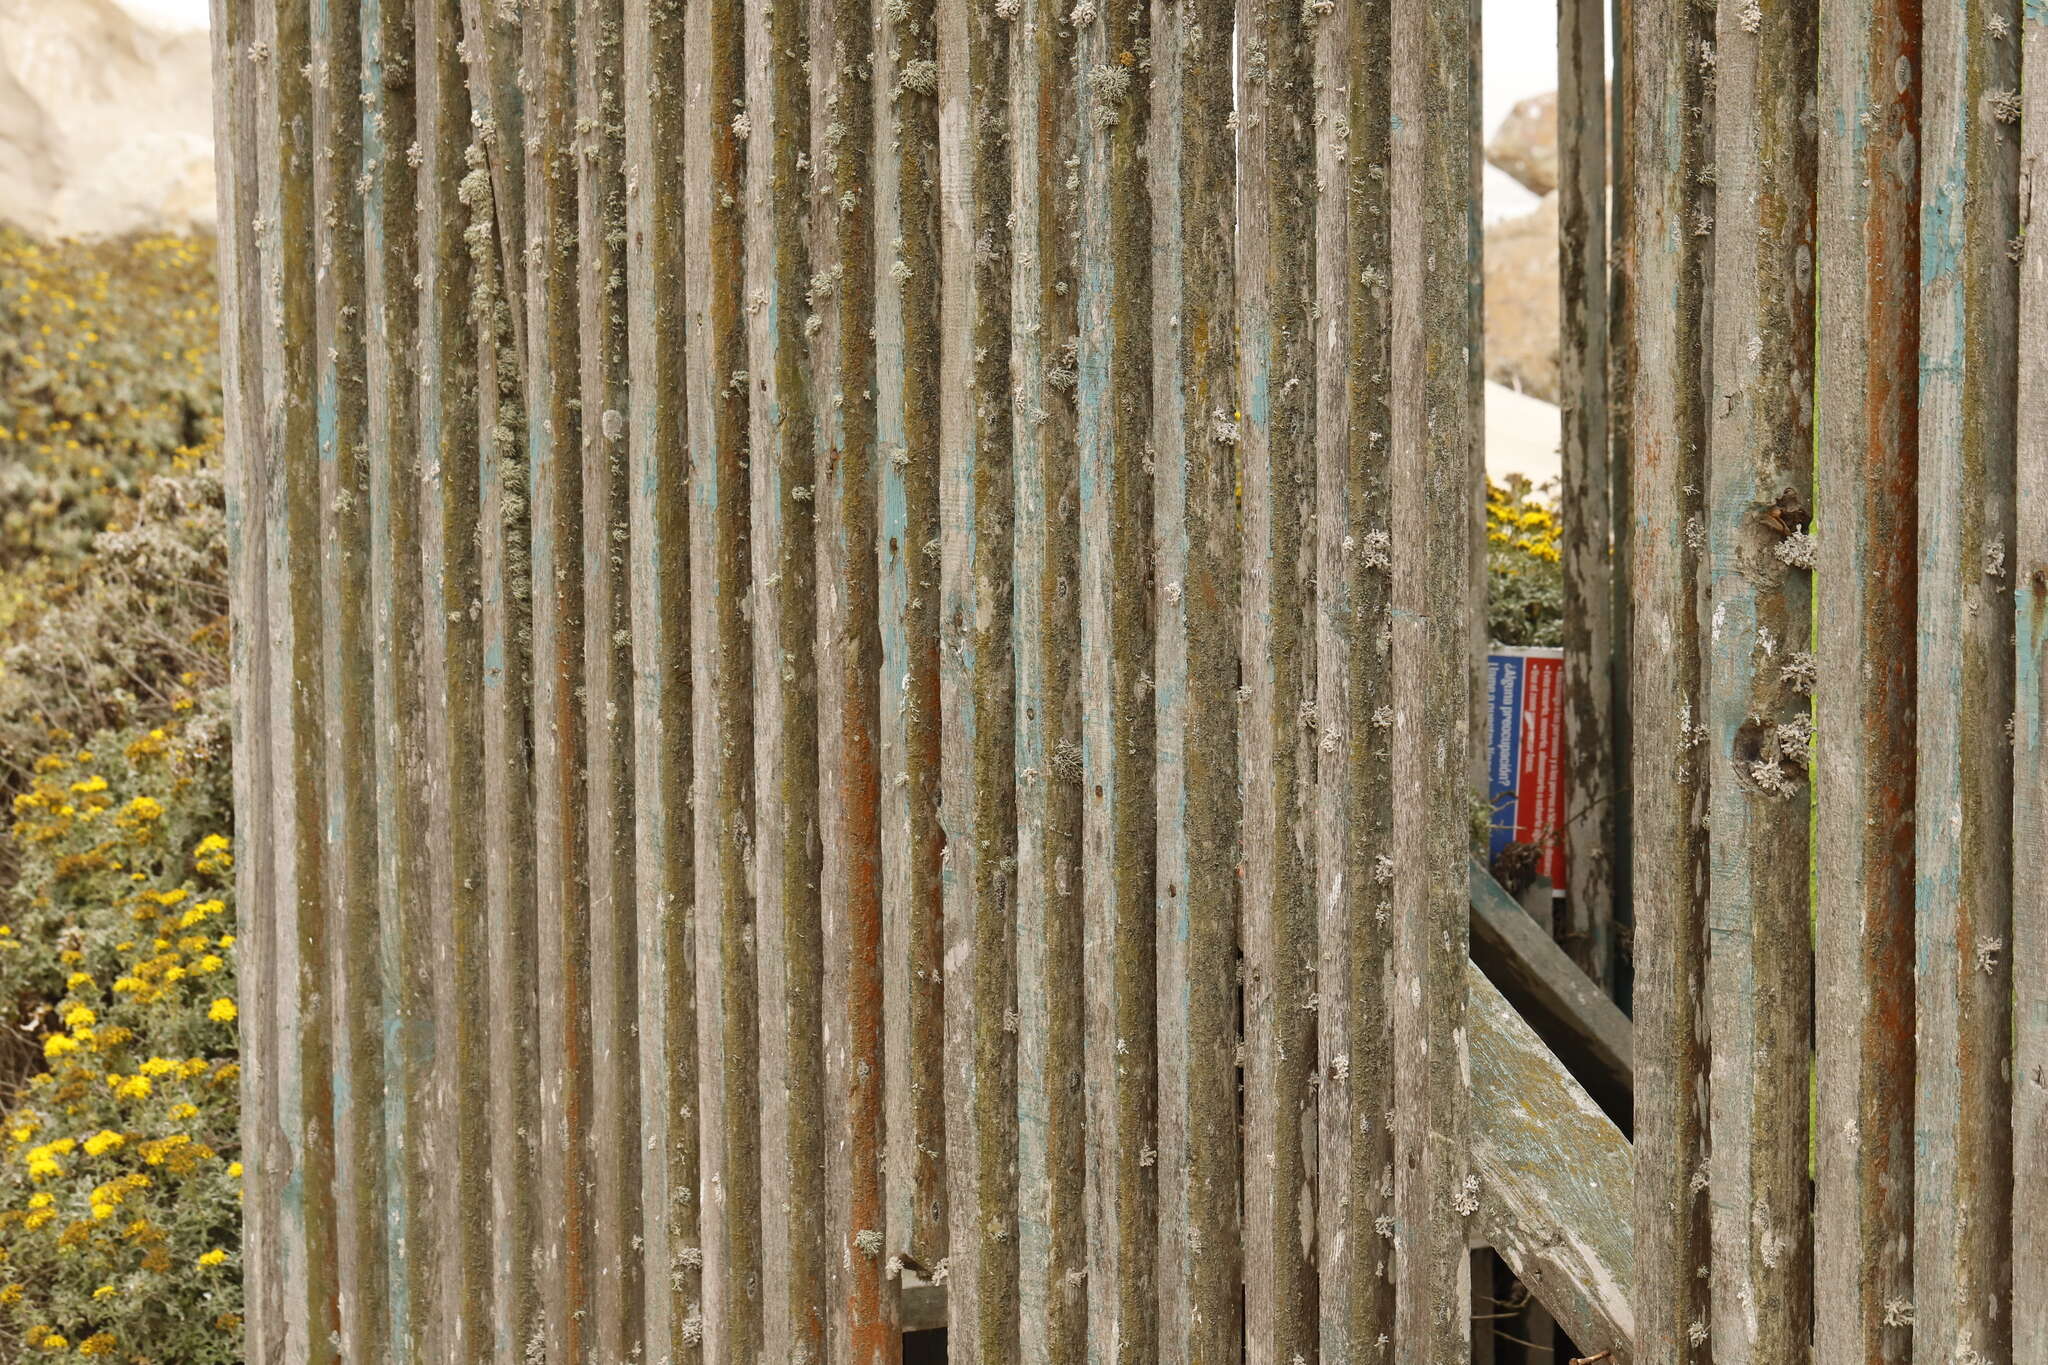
1556	1177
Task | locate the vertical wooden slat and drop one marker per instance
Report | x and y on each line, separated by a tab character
292	1162
1589	576
1668	236
1112	428
1861	677
1355	797
1431	96
2030	757
906	181
417	1146
659	492
782	294
512	1005
555	487
1195	388
349	882
1276	440
1760	467
613	1116
723	684
1964	789
493	51
854	1223
976	682
451	681
1051	1106
237	106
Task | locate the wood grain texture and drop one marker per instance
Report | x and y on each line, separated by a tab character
348	680
504	549
862	1297
782	292
1666	250
1621	330
560	834
1434	1191
976	680
2030	754
1587	493
451	668
296	1296
1276	435
1051	1104
1117	612
1962	1261
608	787
1553	1172
493	47
659	486
906	182
1355	818
1196	562
1866	410
728	1020
1760	971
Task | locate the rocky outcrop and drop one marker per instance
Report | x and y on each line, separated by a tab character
1525	144
1522	302
106	117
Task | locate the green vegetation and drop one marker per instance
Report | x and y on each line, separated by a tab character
119	1178
1524	573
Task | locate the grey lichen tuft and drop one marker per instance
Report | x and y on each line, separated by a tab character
1798	550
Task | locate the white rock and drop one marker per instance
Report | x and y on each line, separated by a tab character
106	116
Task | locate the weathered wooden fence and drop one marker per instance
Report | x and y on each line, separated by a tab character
854	622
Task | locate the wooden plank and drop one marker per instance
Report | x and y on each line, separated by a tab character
451	683
608	788
1589	578
1354	1223
2030	756
346	680
1862	680
555	489
1280	726
906	180
659	493
722	683
507	792
783	294
1962	1266
1430	98
417	1145
1113	365
1759	489
1621	330
1197	561
292	1162
1051	1103
1553	1175
1562	1004
863	1307
1665	257
977	686
242	177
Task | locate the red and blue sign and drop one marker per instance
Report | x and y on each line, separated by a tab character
1525	755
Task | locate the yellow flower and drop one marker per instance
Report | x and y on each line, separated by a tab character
159	1066
102	1142
11	1294
134	1088
222	1011
41	1199
58	1045
98	1344
146	808
209	963
92	784
55	1341
78	1017
39	1217
213	1257
77	981
184	1111
235	1169
105	1291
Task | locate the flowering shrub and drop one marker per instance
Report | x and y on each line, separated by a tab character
109	372
119	1181
1524	572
